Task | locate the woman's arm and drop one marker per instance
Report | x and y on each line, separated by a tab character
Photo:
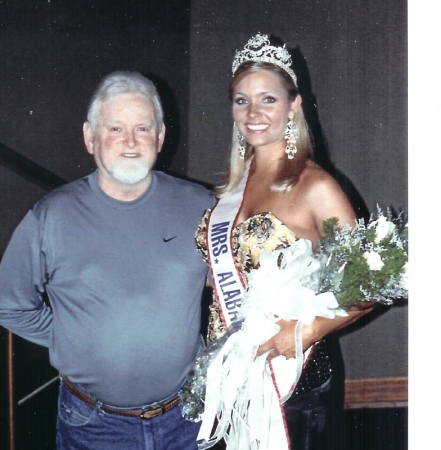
322	199
283	343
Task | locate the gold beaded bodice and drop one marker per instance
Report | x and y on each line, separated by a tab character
260	233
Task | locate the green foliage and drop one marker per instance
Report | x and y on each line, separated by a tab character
367	262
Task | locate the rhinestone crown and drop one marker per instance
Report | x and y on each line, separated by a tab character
259	49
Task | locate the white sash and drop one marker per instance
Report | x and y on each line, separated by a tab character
228	284
229	289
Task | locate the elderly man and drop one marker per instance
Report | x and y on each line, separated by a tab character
115	254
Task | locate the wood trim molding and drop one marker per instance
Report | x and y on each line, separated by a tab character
376	393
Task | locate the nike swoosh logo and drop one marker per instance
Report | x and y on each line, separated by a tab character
169	239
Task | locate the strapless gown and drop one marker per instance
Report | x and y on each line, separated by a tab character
263	232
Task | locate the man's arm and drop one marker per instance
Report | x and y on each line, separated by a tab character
22	309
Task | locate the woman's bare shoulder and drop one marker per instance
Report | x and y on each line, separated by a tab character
324	196
315	180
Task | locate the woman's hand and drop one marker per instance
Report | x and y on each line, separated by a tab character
362	306
283	343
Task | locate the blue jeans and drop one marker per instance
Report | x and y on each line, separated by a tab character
84	427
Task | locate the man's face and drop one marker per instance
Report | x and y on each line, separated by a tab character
125	143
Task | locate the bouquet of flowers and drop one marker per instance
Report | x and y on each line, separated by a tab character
365	263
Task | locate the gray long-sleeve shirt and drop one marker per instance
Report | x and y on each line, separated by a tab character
124	281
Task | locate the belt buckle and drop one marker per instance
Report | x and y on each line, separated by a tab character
151	412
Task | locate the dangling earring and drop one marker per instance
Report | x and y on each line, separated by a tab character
241	139
291	136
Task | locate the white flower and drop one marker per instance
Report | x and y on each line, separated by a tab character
383	228
374	260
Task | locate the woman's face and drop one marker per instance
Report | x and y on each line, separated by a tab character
261	107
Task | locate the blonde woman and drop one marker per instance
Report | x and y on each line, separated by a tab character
272	195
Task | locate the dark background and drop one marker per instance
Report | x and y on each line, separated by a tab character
351	61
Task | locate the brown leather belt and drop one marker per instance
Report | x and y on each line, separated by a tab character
147	413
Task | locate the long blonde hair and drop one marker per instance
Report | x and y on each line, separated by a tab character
291	169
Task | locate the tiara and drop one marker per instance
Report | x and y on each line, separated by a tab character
259	49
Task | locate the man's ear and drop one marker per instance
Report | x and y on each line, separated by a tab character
88	137
161	136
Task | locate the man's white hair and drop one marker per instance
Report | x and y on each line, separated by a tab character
122	82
